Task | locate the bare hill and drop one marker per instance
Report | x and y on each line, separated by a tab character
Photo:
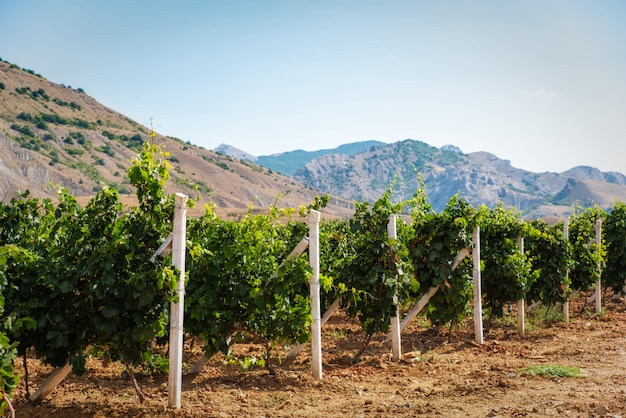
53	135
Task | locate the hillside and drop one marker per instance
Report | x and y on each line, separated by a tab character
53	135
480	177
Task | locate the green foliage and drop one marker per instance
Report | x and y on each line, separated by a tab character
240	282
74	151
368	268
25	117
551	258
614	233
552	371
149	173
506	273
79	277
33	94
107	150
55	119
588	254
8	350
436	239
74	277
24	130
72	105
79	137
244	363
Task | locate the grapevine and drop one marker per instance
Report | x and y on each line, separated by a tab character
551	259
434	242
614	229
80	277
233	290
506	273
367	269
588	254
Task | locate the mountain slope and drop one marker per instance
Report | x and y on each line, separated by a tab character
480	177
288	163
52	135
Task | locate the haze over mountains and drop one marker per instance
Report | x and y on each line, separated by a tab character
54	135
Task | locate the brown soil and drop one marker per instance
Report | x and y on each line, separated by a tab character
451	377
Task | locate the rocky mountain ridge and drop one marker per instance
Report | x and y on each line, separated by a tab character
480	177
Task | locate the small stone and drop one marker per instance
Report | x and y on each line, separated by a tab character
602	410
412	354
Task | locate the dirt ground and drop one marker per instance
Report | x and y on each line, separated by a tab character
450	377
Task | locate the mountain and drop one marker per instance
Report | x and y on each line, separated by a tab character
288	163
224	149
54	135
480	177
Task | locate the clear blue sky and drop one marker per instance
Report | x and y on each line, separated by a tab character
539	82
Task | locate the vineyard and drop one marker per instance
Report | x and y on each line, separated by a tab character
91	284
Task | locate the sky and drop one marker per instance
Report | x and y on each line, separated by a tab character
541	83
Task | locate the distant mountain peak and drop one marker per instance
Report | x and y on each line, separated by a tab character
452	148
234	152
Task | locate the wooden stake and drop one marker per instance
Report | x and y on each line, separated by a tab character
50	383
177	310
566	238
293	353
429	294
521	314
598	292
478	308
316	326
396	344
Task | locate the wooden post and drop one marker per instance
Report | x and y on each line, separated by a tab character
598	292
415	310
478	306
50	383
566	239
521	314
429	294
396	345
316	326
291	355
294	254
177	310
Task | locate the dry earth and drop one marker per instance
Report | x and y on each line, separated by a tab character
451	377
